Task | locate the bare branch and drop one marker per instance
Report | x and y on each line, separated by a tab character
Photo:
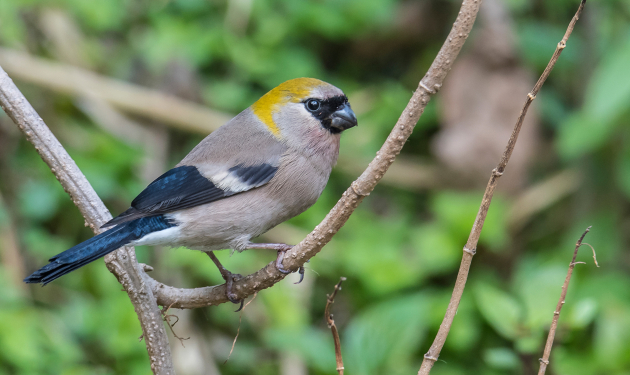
350	200
122	263
331	324
544	361
471	245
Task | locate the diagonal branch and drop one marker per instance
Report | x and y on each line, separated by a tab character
471	245
122	263
351	198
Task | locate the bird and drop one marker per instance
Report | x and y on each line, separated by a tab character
266	165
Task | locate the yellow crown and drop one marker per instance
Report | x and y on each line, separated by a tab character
294	91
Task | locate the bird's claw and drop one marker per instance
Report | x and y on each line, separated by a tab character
286	271
228	290
241	306
279	262
301	271
229	278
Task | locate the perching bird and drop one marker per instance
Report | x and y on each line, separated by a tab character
268	164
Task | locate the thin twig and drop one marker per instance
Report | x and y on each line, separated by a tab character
471	245
592	248
122	263
238	330
331	324
544	361
353	196
167	319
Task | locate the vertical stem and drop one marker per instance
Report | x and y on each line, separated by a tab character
333	327
544	361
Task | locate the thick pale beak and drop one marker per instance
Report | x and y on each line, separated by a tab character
343	118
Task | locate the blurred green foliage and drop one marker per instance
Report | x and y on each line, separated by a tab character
400	250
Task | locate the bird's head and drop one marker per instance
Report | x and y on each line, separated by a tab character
304	106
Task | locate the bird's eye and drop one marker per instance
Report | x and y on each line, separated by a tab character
313	105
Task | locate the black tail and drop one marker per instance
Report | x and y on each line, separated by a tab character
96	247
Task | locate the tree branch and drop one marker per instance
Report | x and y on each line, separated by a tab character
351	198
122	263
544	361
471	245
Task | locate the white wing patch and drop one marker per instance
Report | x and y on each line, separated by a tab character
229	181
241	178
163	237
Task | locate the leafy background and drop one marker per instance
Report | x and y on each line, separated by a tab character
401	250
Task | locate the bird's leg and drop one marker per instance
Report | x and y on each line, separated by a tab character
229	278
281	248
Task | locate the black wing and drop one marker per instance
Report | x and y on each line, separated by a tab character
184	187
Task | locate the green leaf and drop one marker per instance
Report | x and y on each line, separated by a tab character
458	210
538	287
12	28
39	200
607	98
315	346
499	309
438	250
608	92
467	326
623	169
501	358
389	332
582	313
538	41
611	338
375	251
581	133
101	15
569	360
